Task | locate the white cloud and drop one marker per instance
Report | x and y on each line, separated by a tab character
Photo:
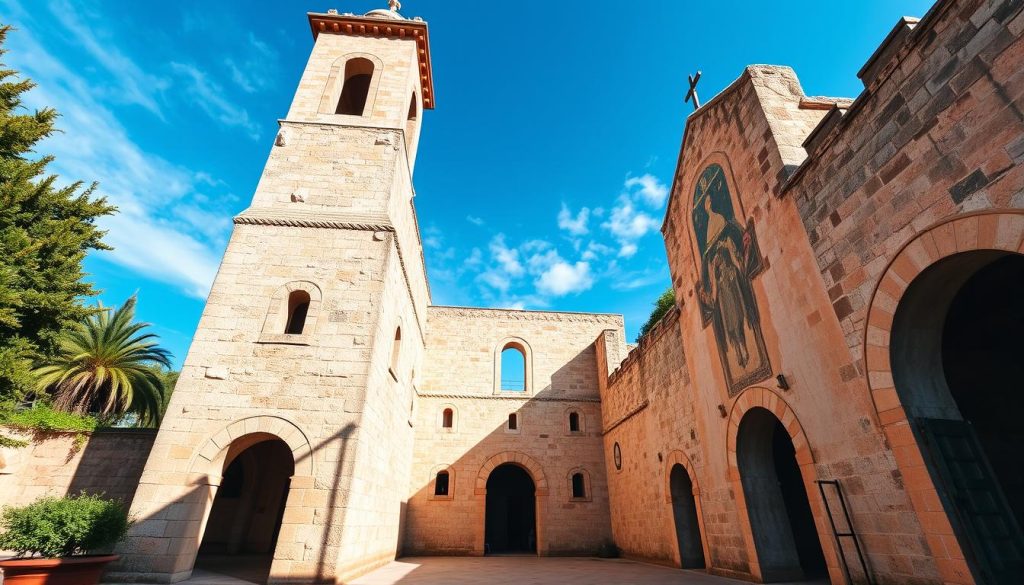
496	279
255	72
562	278
161	229
575	225
595	250
474	259
210	98
133	84
628	250
507	258
652	191
628	223
474	220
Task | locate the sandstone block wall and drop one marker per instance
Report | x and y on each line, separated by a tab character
463	349
105	462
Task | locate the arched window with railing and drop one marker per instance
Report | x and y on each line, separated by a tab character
513	371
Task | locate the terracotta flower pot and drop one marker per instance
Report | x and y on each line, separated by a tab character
83	570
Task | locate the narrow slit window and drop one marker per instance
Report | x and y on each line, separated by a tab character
298	308
412	108
396	350
579	488
513	422
356	88
513	369
441	484
447	418
574	422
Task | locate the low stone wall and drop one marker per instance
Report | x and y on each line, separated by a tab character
58	464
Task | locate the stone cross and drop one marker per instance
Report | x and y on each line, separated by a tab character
692	93
394	5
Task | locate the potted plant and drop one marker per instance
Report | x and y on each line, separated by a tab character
56	540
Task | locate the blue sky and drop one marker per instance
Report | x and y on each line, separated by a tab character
542	173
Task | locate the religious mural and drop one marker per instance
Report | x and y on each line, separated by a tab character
729	260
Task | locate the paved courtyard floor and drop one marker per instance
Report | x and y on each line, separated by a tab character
507	570
530	570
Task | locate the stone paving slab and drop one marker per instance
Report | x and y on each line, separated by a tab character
529	570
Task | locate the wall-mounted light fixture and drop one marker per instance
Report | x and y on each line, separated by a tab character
782	382
722	411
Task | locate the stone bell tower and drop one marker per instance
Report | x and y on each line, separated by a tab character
311	338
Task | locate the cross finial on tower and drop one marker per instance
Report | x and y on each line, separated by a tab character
692	93
394	5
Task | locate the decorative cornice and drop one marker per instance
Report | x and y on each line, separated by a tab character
349	24
626	417
504	397
519	315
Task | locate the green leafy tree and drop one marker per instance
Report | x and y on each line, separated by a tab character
45	232
665	302
108	366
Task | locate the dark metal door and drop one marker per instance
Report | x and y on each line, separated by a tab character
968	487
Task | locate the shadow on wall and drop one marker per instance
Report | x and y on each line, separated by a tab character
164	543
512	490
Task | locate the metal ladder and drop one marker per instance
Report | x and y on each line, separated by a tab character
835	531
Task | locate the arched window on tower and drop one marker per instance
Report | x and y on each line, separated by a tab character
356	88
513	368
447	418
298	308
579	487
412	108
396	350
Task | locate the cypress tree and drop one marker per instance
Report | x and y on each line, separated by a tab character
45	232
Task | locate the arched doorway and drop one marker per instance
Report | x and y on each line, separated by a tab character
957	356
243	525
786	540
510	521
684	512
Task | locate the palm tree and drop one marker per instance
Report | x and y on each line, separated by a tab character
107	366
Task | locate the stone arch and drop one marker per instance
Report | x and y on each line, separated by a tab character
758	397
990	230
769	400
677	457
336	78
674	458
277	314
217	451
520	459
520	344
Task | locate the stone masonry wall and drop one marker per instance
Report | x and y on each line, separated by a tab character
105	462
463	349
754	130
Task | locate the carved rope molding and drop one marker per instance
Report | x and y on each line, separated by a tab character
370	224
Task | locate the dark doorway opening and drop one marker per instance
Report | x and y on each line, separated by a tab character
510	523
788	548
684	510
245	519
957	355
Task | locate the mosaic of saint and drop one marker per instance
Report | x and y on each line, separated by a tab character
729	260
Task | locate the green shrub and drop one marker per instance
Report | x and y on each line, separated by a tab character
63	527
42	418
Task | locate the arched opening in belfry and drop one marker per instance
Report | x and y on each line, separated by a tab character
510	523
957	355
684	512
244	522
356	87
788	548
